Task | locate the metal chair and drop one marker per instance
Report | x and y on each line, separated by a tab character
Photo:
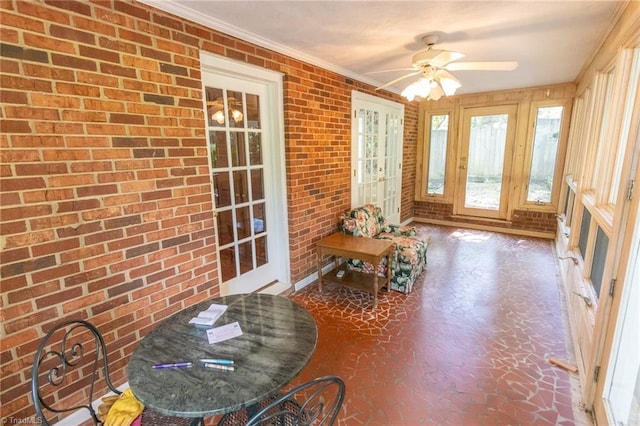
316	402
71	357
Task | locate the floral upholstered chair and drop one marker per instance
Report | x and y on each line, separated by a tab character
409	257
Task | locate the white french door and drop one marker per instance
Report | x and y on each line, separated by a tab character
376	156
245	156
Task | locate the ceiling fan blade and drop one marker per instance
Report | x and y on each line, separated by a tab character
434	57
398	79
444	57
482	66
391	70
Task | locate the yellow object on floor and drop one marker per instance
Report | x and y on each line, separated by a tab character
124	410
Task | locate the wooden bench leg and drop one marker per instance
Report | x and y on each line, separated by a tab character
320	270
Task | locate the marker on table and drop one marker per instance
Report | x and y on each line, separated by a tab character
217	361
219	366
174	365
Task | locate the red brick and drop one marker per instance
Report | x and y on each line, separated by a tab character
41	169
22	22
83	302
15	126
14	283
28	321
109	305
71	6
73	62
97	79
55	247
13	97
54	273
102	27
58	298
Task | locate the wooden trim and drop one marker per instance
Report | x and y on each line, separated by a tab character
479	227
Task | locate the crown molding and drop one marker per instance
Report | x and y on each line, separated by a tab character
183	11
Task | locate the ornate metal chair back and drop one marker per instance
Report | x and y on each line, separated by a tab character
316	402
69	367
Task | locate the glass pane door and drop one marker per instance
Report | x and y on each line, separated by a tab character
377	133
393	175
483	163
237	167
367	156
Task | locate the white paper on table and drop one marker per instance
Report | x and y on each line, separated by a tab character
210	316
224	332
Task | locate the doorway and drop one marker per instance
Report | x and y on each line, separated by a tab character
376	154
484	162
243	111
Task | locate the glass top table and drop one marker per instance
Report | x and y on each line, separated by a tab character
278	338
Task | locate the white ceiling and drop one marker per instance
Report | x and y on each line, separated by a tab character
551	40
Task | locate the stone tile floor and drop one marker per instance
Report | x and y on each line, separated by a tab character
469	346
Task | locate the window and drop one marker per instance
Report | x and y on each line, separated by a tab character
438	136
481	164
632	59
584	232
606	83
569	201
599	257
542	172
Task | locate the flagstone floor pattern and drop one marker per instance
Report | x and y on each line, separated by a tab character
469	346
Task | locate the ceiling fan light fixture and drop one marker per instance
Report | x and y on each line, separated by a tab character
436	93
449	86
420	88
432	88
236	114
434	65
218	117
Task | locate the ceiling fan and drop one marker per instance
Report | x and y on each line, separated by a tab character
434	66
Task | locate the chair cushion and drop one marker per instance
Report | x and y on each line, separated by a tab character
362	221
409	257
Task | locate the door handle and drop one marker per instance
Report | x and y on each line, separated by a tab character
463	167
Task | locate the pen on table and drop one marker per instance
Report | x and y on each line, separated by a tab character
217	361
219	366
174	365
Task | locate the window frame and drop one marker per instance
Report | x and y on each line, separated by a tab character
429	129
594	152
424	136
561	151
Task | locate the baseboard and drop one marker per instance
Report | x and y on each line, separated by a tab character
313	277
274	288
525	233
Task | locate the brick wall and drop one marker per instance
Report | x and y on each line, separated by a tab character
105	191
523	220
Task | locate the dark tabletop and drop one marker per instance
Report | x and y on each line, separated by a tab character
278	339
